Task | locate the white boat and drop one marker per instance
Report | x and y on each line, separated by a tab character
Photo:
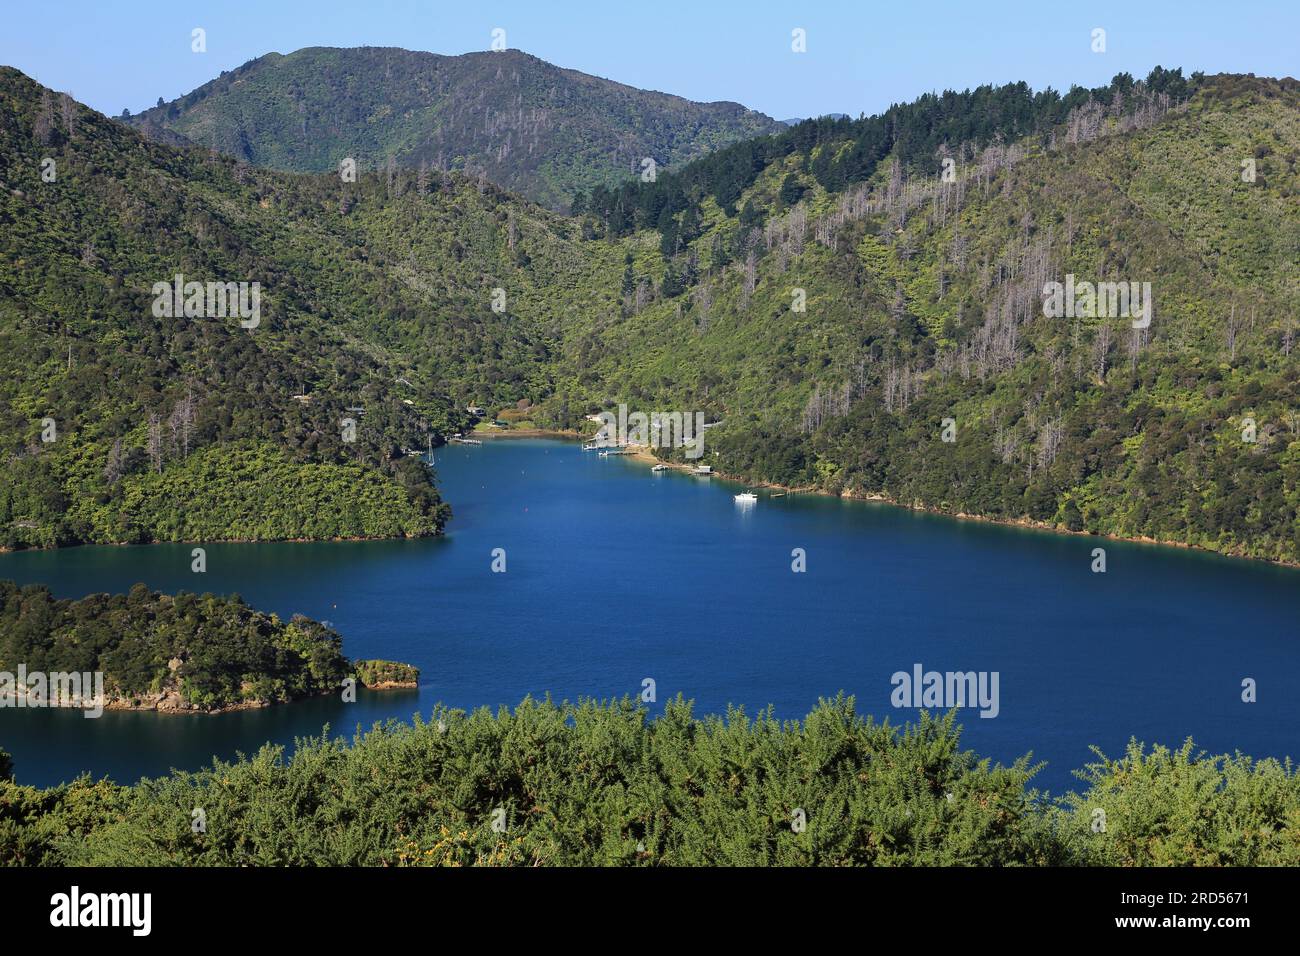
659	468
746	497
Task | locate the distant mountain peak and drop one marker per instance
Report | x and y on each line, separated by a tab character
528	125
796	120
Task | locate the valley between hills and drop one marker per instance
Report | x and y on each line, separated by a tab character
834	293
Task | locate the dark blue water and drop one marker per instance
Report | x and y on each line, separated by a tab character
615	575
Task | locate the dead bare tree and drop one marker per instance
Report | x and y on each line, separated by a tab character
1101	351
1235	327
115	468
180	420
703	296
155	443
750	278
68	107
1292	420
44	125
1049	442
1135	343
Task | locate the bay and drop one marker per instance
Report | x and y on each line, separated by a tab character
615	575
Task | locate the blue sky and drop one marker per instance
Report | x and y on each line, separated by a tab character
861	55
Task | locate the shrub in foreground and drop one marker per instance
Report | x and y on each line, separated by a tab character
604	784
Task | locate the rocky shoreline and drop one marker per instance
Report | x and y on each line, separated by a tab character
372	675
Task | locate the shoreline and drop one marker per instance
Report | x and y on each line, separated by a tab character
203	541
644	455
170	704
528	433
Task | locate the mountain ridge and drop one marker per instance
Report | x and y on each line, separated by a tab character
526	124
921	300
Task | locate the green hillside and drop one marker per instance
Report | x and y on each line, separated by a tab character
178	653
922	301
534	128
118	425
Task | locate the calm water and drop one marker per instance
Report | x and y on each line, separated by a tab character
615	575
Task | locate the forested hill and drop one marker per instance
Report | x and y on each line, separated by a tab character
377	308
839	152
864	324
118	424
525	124
831	311
176	653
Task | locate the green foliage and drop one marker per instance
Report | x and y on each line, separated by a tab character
924	303
1183	808
34	822
205	651
791	190
146	405
840	152
601	784
537	129
373	673
255	492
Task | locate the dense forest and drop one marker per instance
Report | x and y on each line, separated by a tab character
118	425
832	295
603	784
841	152
888	338
536	129
182	652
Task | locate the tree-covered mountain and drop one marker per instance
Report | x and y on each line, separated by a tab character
833	293
840	303
840	152
537	129
118	424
